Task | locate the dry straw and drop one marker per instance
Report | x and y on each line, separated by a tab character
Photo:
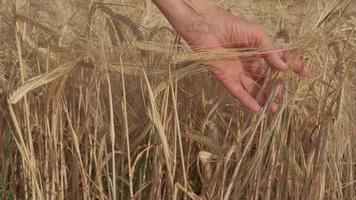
103	101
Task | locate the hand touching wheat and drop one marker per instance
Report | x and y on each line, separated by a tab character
206	27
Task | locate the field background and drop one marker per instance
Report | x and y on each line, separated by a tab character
103	100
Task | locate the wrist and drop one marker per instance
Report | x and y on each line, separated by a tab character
190	18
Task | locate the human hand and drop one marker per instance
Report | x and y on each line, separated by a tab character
206	27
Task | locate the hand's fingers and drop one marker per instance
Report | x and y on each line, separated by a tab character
297	65
236	90
244	97
276	102
251	87
256	70
273	56
261	97
254	89
252	65
228	72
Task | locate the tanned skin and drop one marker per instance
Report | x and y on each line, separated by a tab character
207	27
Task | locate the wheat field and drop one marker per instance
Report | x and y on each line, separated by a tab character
101	99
